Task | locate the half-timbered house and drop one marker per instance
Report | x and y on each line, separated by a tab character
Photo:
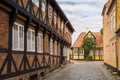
35	38
78	52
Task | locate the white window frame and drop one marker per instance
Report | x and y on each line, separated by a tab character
114	19
41	42
31	43
13	44
43	5
50	11
111	22
55	20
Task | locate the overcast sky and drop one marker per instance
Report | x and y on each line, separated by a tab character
83	14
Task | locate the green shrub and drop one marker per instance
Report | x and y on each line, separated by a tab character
89	58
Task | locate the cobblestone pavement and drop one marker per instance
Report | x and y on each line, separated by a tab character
81	70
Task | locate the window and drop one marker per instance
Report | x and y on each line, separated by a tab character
43	6
51	46
56	47
31	40
18	37
36	2
96	52
64	51
114	19
66	30
58	22
40	42
81	52
62	26
75	52
55	18
50	10
111	22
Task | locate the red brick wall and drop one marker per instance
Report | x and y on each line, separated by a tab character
4	25
46	44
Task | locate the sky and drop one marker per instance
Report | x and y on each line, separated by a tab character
83	14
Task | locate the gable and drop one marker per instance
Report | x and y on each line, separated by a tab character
96	35
90	35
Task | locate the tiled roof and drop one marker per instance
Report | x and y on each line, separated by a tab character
98	36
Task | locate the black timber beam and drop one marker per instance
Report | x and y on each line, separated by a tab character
27	14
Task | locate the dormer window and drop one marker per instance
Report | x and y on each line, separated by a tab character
36	2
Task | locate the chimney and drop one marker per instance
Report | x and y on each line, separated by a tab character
87	30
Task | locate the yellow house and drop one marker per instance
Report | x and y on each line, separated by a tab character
77	52
118	34
111	38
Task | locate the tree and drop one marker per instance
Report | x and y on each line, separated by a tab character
101	31
88	44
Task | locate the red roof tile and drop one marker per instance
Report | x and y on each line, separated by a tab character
98	36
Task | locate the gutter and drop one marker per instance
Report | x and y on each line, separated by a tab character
116	42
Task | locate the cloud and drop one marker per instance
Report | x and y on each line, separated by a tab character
83	14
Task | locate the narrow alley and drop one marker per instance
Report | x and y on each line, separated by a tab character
81	70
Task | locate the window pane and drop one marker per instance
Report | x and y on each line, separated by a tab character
21	37
18	37
14	31
114	19
40	43
29	40
33	41
51	46
43	6
41	37
15	36
50	11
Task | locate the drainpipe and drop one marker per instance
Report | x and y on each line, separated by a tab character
117	53
116	42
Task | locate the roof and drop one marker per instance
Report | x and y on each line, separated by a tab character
111	5
55	3
79	40
98	36
107	5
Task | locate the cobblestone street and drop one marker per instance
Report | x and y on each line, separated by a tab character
81	71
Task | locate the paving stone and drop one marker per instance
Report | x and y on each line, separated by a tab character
81	70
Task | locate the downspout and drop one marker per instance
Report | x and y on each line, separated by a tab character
116	42
117	53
